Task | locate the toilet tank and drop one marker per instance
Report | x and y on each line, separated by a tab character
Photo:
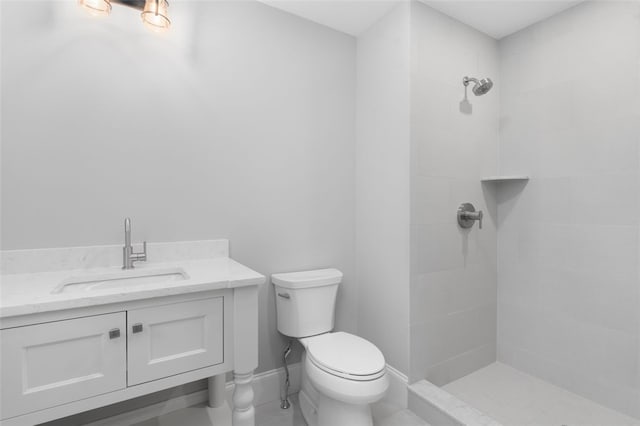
306	301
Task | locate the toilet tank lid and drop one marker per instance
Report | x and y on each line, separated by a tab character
307	279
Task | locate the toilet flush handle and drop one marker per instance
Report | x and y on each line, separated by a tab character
284	295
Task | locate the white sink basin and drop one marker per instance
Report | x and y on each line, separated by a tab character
120	279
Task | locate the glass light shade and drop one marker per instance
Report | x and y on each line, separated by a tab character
155	15
96	7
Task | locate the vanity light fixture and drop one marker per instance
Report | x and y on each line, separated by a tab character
155	14
96	7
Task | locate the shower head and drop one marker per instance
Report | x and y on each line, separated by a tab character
481	86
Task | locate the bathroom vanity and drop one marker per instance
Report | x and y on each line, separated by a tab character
78	332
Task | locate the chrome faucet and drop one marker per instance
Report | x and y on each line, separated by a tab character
128	255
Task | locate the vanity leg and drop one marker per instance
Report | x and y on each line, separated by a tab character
243	411
245	350
218	410
216	391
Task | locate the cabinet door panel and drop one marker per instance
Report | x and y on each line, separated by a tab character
172	339
50	364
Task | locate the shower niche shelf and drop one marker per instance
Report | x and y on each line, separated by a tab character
504	178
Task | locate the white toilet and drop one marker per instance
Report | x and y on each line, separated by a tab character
342	374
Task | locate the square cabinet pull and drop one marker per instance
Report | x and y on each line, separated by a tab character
114	333
136	328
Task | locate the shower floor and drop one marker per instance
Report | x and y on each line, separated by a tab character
514	398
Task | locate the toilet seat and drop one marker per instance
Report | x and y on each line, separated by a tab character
345	355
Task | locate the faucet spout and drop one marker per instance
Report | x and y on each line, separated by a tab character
127	232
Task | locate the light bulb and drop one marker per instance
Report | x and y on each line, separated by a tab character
155	15
96	7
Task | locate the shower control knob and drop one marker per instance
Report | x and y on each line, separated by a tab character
467	214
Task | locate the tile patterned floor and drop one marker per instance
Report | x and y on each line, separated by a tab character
514	398
400	418
271	415
384	415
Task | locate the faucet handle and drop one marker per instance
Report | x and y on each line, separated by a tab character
467	214
140	256
143	255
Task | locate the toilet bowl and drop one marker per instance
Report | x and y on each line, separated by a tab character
342	374
348	374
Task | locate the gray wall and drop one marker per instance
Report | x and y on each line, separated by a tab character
453	271
382	186
569	256
238	124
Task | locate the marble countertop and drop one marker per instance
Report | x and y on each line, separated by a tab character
29	293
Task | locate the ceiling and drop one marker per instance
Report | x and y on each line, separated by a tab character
500	18
349	16
497	18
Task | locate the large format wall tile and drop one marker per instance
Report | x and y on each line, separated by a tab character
569	242
453	271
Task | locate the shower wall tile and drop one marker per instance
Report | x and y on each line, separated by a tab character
442	293
461	365
617	397
453	271
546	200
450	336
431	200
604	199
569	240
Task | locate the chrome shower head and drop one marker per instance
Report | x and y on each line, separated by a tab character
481	86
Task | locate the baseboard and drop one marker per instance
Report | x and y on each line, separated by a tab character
398	394
267	387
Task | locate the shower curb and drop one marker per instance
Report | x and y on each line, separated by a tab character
438	407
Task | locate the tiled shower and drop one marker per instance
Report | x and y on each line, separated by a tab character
551	284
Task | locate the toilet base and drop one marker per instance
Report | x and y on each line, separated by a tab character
309	408
336	413
320	410
330	412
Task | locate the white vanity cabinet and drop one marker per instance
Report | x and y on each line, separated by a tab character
49	364
56	364
171	339
76	335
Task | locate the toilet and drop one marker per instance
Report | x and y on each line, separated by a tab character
342	374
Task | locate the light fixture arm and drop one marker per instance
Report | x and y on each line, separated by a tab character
135	4
155	15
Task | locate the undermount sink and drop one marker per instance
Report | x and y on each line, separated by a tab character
120	279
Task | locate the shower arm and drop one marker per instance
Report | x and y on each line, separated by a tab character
466	81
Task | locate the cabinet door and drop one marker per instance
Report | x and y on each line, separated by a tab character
172	339
50	364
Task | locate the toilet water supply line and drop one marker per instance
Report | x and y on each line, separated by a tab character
285	399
